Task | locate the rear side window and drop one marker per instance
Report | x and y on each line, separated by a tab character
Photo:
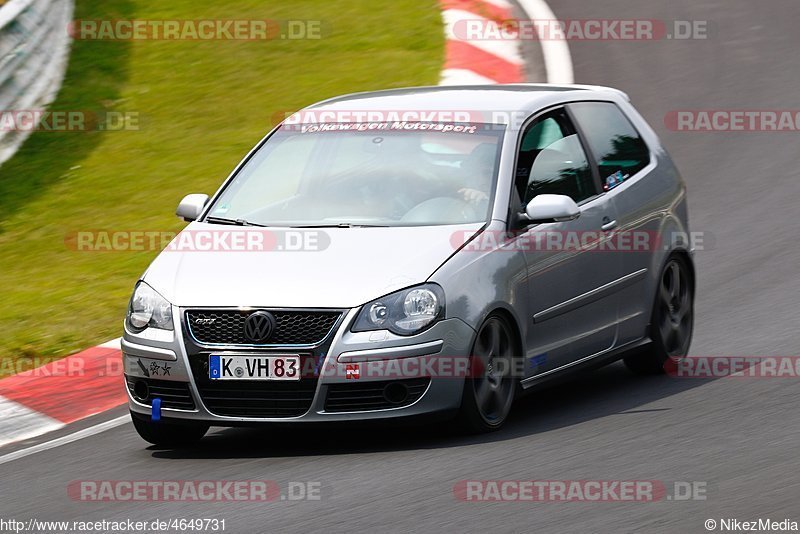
616	145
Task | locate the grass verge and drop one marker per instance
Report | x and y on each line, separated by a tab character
200	106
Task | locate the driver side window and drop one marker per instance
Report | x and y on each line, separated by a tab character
551	160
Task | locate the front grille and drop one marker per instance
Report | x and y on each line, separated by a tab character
355	396
172	394
291	327
257	398
253	399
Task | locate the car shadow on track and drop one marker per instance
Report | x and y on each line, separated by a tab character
611	390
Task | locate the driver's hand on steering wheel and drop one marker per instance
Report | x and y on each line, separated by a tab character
473	195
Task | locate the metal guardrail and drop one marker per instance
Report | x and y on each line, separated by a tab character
34	50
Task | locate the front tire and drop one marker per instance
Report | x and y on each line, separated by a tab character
671	323
489	388
169	434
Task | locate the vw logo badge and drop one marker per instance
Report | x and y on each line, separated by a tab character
259	326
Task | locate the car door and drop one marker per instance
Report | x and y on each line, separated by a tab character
573	309
624	164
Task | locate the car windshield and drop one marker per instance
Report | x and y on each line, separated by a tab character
366	174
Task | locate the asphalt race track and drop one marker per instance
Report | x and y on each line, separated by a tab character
738	436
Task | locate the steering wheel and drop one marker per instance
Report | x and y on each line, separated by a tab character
379	186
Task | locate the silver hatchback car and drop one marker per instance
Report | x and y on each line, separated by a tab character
433	251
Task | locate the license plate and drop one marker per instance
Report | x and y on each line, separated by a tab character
237	367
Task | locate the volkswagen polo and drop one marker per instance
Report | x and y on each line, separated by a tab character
433	251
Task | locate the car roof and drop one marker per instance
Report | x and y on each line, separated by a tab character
484	99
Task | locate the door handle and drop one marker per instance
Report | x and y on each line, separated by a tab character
608	224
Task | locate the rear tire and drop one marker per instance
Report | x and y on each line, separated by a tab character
169	434
671	323
489	388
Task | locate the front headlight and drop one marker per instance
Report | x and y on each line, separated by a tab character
148	309
405	312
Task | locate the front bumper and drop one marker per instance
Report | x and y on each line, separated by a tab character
428	367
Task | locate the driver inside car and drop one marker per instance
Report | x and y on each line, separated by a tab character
477	170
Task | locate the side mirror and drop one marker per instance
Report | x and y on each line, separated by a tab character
550	208
191	206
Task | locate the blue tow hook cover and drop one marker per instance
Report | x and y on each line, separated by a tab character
156	413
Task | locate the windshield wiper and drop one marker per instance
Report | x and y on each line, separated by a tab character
340	225
234	222
244	222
